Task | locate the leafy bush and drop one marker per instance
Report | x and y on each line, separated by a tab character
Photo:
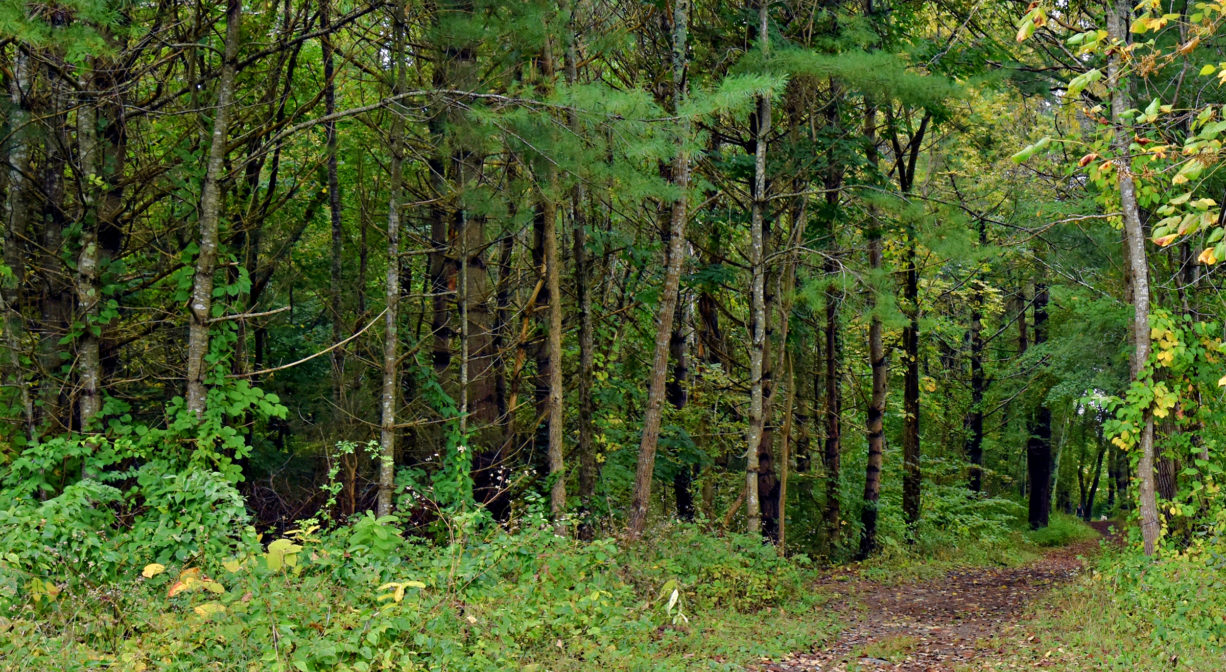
1061	530
363	597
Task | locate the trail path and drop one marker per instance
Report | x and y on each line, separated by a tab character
942	625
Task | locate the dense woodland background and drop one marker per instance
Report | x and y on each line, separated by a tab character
763	265
563	323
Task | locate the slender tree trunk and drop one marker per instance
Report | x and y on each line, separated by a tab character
1121	100
672	282
785	455
88	287
391	335
210	216
16	212
757	263
1038	446
911	480
1088	508
677	396
587	354
334	212
557	471
875	422
974	417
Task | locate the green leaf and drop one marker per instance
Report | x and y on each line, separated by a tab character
1027	152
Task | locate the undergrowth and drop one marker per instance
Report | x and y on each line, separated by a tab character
363	597
1130	613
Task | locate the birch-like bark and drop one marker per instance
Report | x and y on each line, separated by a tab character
16	212
391	336
672	282
757	263
88	290
210	215
1134	236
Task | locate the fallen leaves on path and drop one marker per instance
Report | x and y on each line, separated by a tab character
951	624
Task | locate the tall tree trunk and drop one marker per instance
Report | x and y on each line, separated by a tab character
88	287
757	263
1038	446
911	480
334	212
587	353
875	420
1088	508
210	216
974	417
553	272
391	335
1121	101
677	396
672	281
16	212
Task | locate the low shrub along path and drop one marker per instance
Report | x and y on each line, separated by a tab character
949	624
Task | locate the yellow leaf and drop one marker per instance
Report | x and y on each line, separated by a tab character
1221	382
209	608
212	586
153	569
232	566
1206	257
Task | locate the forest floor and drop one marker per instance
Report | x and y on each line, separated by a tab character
964	621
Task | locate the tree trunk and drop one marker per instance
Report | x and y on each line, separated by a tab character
757	263
210	216
1038	446
974	417
874	424
1121	100
391	335
587	353
911	480
16	212
677	397
557	472
672	282
334	214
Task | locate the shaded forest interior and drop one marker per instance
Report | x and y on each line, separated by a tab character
767	265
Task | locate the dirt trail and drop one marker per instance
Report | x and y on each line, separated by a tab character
942	625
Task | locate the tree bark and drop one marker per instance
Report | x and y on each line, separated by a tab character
1038	446
1121	100
334	214
210	216
874	423
391	335
757	263
583	296
974	417
672	282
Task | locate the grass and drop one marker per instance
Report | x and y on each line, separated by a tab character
1129	613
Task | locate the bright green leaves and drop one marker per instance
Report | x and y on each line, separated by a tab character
1031	21
1031	150
1078	84
282	553
397	589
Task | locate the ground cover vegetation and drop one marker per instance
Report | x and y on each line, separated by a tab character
471	334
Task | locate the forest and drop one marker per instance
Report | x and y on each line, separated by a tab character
612	334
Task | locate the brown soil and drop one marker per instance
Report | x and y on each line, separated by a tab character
943	625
